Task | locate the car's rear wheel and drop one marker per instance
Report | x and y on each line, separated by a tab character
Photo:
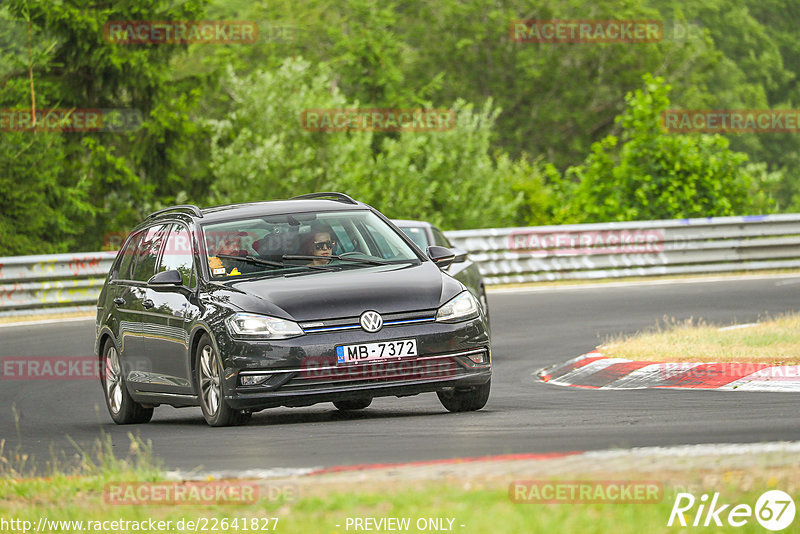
208	375
121	406
465	400
353	404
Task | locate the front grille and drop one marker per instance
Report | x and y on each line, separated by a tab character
352	323
422	369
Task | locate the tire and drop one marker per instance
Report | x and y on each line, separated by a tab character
354	404
121	406
210	388
467	400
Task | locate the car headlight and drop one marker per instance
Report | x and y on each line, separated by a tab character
462	307
262	326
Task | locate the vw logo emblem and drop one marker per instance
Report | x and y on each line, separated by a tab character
371	321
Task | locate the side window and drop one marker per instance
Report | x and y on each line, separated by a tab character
147	253
440	239
127	255
178	253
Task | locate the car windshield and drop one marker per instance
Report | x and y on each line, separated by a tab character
417	235
302	242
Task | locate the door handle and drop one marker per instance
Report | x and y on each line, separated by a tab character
119	301
147	304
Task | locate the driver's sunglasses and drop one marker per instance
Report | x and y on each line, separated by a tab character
319	245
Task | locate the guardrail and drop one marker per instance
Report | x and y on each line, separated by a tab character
637	248
72	282
52	283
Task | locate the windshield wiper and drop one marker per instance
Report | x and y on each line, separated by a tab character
253	259
333	257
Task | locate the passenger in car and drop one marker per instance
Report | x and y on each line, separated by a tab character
230	245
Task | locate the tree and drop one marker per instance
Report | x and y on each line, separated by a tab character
122	174
260	150
651	174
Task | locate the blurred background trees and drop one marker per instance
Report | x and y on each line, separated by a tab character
545	133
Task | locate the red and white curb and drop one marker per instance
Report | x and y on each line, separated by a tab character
595	371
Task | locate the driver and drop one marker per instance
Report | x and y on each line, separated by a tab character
319	242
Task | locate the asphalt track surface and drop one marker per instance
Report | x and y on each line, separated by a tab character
531	329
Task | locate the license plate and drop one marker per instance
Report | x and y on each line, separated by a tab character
383	350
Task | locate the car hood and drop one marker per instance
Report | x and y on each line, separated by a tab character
347	293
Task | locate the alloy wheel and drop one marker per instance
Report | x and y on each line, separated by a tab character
113	381
209	380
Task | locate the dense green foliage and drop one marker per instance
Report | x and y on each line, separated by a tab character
260	150
545	133
649	174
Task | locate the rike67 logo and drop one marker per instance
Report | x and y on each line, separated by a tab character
774	510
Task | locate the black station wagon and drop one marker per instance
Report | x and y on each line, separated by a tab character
319	298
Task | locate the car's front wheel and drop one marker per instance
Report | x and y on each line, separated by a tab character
353	404
208	377
121	406
465	400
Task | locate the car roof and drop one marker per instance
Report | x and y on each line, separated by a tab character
406	222
250	209
275	207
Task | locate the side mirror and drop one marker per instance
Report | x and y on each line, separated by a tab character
166	278
461	255
441	256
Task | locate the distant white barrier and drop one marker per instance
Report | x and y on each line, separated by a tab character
636	248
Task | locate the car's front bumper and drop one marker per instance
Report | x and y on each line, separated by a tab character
303	370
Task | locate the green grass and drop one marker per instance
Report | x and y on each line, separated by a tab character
321	504
479	510
775	341
74	491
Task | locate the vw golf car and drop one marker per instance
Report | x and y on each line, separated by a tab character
319	298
